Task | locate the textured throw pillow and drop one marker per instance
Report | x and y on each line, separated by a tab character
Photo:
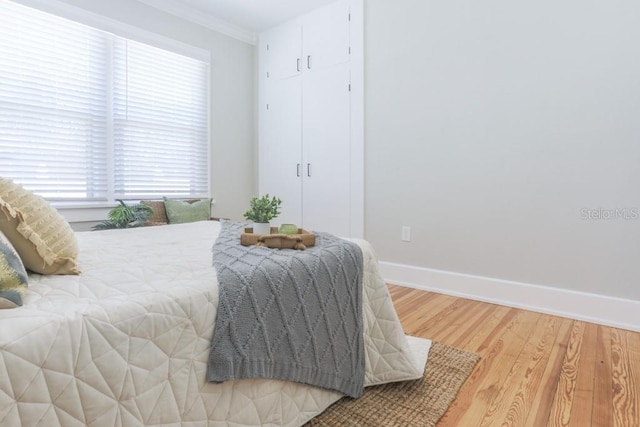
41	236
13	277
159	216
180	212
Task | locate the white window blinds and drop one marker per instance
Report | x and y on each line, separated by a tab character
53	104
160	129
87	115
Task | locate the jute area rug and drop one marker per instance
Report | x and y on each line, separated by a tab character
418	403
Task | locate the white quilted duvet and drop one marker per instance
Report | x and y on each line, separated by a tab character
126	342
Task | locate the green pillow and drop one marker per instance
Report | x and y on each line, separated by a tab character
13	277
180	212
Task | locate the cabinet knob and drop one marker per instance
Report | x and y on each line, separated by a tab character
309	169
309	61
298	170
298	64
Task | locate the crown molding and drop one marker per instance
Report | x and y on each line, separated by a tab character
202	18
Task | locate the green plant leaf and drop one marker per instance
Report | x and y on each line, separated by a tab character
125	216
263	209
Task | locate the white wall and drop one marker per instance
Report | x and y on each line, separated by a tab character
491	125
232	97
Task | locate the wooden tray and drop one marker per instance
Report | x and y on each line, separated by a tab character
301	241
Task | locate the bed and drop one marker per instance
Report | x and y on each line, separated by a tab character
126	342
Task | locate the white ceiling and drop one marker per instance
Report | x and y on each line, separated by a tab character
242	19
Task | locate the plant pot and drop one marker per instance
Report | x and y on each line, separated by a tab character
261	228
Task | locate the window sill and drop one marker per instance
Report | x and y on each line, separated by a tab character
84	212
89	211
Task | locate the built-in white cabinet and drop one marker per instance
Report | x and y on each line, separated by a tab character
326	36
310	130
281	55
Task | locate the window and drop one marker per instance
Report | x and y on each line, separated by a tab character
86	115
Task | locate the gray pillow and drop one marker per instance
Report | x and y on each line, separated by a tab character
181	212
13	277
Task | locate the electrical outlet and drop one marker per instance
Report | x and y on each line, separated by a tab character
406	233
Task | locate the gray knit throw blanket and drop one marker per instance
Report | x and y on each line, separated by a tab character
287	314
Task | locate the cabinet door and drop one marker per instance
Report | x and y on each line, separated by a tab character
280	147
325	35
326	150
282	51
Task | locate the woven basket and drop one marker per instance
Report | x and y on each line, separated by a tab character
300	241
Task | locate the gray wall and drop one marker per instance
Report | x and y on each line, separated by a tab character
232	96
492	125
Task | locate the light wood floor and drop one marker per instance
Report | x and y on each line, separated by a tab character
535	369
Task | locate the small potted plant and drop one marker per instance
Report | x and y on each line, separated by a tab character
126	216
261	211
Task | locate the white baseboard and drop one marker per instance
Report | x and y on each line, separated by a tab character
594	308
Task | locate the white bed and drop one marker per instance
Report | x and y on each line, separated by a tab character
126	342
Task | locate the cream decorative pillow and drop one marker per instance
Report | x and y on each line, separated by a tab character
41	236
13	277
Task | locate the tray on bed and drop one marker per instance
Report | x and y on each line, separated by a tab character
301	240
